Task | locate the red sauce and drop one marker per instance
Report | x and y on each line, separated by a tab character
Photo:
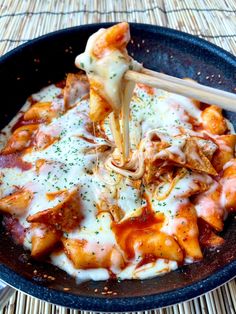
148	258
204	231
207	237
58	250
14	160
32	100
61	84
60	96
219	176
90	140
195	123
13	226
203	106
149	90
22	122
198	127
128	231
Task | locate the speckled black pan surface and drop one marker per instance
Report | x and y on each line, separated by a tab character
32	66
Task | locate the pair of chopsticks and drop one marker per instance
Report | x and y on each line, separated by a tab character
191	89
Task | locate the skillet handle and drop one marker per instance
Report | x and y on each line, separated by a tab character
5	293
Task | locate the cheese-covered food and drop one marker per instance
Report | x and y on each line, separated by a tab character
66	196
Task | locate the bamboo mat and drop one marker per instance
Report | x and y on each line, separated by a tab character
213	20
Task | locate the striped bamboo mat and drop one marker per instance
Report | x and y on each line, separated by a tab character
213	20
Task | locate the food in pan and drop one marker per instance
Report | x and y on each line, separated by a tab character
102	191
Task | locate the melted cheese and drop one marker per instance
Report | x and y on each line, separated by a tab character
73	162
108	70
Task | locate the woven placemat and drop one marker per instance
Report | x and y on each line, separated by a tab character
213	20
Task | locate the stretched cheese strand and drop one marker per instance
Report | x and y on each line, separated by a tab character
106	61
126	99
115	130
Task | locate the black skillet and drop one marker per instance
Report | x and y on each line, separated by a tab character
47	59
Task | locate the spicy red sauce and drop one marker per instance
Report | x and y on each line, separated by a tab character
14	160
128	231
61	84
20	122
16	230
90	140
148	258
148	89
207	237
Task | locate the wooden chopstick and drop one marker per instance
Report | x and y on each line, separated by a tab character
187	88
